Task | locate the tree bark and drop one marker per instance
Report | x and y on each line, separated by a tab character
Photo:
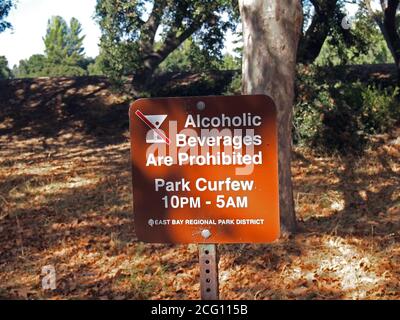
150	59
271	33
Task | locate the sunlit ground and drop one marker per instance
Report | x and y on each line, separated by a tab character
65	200
69	205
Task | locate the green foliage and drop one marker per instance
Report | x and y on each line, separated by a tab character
5	7
235	86
64	52
129	31
95	68
381	109
338	116
120	22
177	60
75	50
64	70
118	60
322	20
190	57
231	62
235	64
5	72
56	40
64	48
365	45
32	67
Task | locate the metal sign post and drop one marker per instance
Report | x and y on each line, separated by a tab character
209	284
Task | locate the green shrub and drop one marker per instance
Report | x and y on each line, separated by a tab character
381	109
333	116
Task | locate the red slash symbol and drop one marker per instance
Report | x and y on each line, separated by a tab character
161	134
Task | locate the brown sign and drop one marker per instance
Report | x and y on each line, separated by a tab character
205	169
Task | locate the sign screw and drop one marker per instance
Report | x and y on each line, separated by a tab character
201	105
206	234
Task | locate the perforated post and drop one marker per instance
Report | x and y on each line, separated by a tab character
209	286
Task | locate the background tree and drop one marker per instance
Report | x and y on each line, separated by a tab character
5	72
323	21
129	32
367	45
64	48
55	40
95	68
75	49
64	52
271	33
33	67
320	17
5	7
189	56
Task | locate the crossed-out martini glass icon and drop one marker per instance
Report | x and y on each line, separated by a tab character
152	135
154	122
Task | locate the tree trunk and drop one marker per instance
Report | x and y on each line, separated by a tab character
321	23
392	36
142	77
153	57
271	33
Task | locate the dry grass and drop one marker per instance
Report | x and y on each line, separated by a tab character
65	200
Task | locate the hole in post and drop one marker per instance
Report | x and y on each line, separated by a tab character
207	261
207	271
208	280
206	252
208	290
